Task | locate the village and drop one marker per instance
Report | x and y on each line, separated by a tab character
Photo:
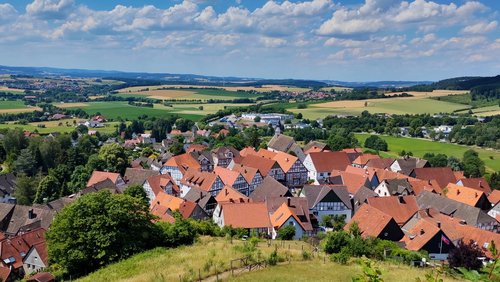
265	190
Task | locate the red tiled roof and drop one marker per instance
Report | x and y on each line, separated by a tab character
246	215
227	176
228	194
183	162
264	165
282	214
158	183
494	197
13	247
371	221
420	234
400	208
443	175
477	183
203	180
364	158
247	172
164	202
352	181
196	147
4	273
42	277
463	194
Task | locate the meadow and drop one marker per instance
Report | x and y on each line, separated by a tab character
115	110
419	147
264	88
157	92
16	106
62	126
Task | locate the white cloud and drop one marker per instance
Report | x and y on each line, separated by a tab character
481	27
50	9
271	42
346	22
7	13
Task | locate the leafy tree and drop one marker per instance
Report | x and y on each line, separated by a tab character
182	232
495	180
454	163
376	143
98	229
25	163
78	179
287	232
439	160
49	189
256	119
466	255
63	175
25	189
138	192
335	241
114	158
341	139
473	165
326	221
14	141
176	148
299	116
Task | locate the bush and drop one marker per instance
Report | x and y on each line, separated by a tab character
302	106
376	143
306	255
342	257
335	241
287	232
273	258
466	255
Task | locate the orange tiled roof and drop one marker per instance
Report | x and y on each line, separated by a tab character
286	161
248	151
364	158
165	202
328	161
228	194
203	180
158	183
247	172
264	165
351	180
463	194
246	215
183	162
371	221
420	234
282	214
227	176
99	176
400	208
494	197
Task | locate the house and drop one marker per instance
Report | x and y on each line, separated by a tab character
13	251
470	215
42	277
294	169
456	229
58	204
442	175
286	144
325	200
363	159
407	164
164	205
419	185
469	196
495	211
265	166
204	159
251	216
233	178
224	155
361	197
100	176
204	199
299	207
194	148
353	153
7	187
6	274
178	165
137	176
206	181
476	183
394	187
157	183
380	163
106	184
315	147
374	223
269	188
401	208
99	118
36	259
427	236
284	216
251	175
494	197
16	219
321	164
230	195
352	181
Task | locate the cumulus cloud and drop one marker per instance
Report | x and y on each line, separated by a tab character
7	13
50	9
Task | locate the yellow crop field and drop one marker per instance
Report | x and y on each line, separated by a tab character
70	105
264	88
19	110
435	93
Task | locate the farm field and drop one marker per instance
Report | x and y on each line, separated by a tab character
419	147
264	88
189	94
114	110
53	126
11	90
408	105
336	88
485	111
17	106
434	93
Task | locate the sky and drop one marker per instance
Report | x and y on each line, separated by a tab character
349	40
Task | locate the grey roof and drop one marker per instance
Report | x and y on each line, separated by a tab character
199	196
137	176
197	155
281	142
106	184
221	151
318	144
17	218
332	180
408	164
316	193
397	186
269	187
472	215
7	184
57	205
361	196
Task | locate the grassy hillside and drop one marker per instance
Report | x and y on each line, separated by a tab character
201	259
419	147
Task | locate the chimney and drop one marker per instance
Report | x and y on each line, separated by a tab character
288	201
428	211
401	199
157	202
480	184
475	195
462	222
201	194
31	214
439	224
226	192
458	192
422	232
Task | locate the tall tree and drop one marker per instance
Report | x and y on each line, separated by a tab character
49	189
25	189
25	163
114	158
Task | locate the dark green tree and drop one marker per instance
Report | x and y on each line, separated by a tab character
335	241
98	229
376	143
138	192
25	163
472	164
114	158
287	232
25	189
49	189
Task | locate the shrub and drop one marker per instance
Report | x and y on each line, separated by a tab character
466	255
342	257
306	255
335	241
273	258
286	233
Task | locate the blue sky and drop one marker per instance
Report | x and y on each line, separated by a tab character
354	40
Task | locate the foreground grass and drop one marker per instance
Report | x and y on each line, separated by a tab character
316	270
187	263
419	147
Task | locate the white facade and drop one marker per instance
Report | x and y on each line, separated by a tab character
33	262
312	173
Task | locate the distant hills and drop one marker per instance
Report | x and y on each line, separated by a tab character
484	87
193	79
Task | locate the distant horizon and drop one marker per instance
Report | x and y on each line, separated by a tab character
351	40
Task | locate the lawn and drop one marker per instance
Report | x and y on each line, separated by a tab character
419	147
410	105
187	263
115	110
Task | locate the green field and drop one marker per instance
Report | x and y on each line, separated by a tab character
388	105
7	105
186	94
52	126
115	110
419	147
485	111
204	257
